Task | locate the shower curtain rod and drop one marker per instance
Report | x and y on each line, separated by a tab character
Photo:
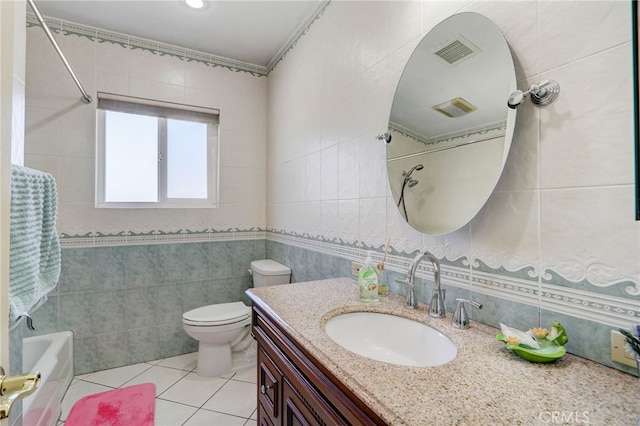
85	96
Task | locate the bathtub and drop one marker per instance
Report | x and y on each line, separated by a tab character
52	356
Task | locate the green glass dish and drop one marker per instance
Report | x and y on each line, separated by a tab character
548	351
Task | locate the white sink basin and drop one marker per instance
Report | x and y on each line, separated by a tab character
391	339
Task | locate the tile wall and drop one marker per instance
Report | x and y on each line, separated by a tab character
128	275
124	304
556	240
60	129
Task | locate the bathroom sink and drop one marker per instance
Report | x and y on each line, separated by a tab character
391	339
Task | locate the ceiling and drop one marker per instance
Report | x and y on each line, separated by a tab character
255	32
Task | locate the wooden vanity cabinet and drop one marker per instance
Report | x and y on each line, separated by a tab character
294	388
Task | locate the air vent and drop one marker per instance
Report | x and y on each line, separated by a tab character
457	50
457	107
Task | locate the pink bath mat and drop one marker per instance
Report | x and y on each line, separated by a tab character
130	406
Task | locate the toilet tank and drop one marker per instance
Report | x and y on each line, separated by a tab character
268	272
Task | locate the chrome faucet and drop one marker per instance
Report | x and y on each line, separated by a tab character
436	307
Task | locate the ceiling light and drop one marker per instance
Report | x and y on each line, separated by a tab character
196	4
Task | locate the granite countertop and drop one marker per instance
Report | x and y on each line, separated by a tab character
485	384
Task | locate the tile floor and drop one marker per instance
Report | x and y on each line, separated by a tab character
182	397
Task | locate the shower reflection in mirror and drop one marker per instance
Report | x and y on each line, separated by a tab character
410	182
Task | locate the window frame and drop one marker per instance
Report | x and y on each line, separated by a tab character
164	109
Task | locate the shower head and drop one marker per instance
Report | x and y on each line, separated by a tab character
416	167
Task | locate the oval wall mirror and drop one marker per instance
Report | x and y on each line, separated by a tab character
450	125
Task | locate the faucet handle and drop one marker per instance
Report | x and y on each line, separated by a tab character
405	281
460	318
410	300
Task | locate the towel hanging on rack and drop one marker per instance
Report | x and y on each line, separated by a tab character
34	251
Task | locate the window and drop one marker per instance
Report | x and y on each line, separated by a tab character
155	154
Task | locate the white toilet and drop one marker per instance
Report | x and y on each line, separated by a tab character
225	328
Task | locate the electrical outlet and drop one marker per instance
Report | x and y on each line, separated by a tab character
618	353
355	268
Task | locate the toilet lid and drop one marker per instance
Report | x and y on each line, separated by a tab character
219	314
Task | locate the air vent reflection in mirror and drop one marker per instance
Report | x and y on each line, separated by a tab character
457	107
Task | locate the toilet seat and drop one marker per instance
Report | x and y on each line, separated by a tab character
217	315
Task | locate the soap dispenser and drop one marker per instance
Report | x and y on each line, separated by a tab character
368	281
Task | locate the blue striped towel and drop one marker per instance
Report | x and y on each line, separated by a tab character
34	251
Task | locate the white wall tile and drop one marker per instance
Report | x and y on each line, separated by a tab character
76	218
374	38
373	221
111	221
348	170
81	54
505	232
349	220
521	33
112	83
404	23
587	134
45	163
42	131
76	180
142	88
522	169
590	234
299	191
329	173
76	125
376	96
170	220
198	219
570	30
372	166
169	92
329	219
313	218
144	64
142	220
61	129
402	237
112	58
313	176
451	246
434	11
242	149
172	71
198	76
42	82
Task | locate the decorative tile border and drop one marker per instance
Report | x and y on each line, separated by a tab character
610	310
492	130
122	238
522	286
163	49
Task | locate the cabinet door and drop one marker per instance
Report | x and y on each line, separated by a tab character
269	378
263	417
296	412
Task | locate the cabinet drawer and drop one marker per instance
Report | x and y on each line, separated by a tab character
269	382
